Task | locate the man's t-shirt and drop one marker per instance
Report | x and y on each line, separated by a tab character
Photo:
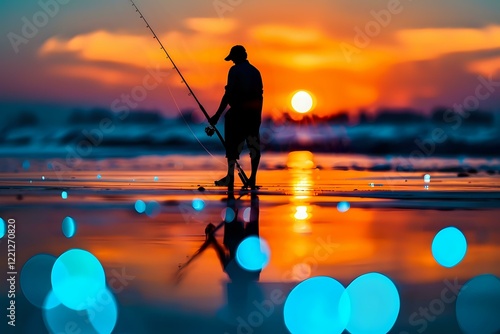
244	92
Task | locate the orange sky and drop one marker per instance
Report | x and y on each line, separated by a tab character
350	56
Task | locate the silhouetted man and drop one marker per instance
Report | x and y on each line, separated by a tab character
242	121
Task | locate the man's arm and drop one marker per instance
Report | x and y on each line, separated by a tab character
231	82
223	104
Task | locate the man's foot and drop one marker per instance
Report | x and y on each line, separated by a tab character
226	181
250	184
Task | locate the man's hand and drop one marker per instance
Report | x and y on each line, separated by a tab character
210	130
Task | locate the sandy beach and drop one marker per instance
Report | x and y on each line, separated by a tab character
387	227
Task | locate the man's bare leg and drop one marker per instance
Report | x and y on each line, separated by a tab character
228	180
255	160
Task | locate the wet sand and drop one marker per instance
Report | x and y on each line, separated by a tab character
389	228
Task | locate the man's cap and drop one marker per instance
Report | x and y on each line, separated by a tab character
237	51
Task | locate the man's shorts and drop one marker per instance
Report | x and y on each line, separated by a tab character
239	128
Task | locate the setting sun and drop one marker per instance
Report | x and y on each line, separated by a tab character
302	101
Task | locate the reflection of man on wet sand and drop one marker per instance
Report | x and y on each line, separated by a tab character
243	289
235	232
250	303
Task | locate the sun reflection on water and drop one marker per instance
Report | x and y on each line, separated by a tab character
301	167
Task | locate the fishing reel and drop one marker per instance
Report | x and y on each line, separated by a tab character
209	131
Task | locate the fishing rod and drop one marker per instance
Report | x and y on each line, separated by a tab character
212	128
209	233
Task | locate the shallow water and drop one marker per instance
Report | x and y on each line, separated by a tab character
389	228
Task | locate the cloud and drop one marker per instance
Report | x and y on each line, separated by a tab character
422	44
212	26
102	45
411	45
192	52
287	35
486	67
105	75
300	48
